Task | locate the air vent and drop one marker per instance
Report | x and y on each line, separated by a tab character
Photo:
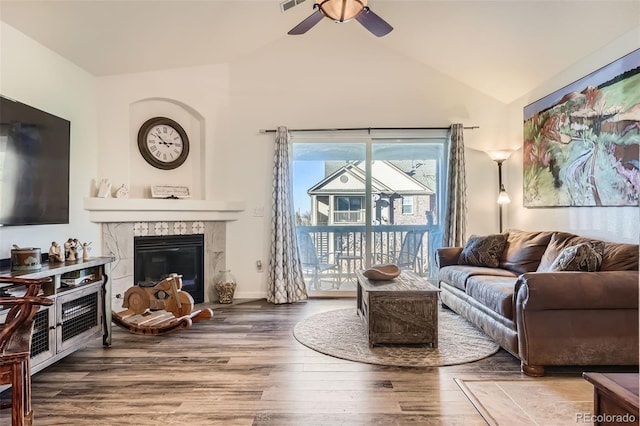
288	4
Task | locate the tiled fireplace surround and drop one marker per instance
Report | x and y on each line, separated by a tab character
118	238
122	219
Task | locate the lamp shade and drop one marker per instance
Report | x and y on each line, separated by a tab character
500	155
503	197
341	10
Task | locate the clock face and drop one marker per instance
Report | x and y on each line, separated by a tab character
163	143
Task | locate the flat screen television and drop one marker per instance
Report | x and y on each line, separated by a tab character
34	165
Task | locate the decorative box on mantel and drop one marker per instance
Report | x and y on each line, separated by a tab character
103	210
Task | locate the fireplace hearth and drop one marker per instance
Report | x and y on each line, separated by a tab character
155	257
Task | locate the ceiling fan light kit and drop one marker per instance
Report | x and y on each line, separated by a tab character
341	10
344	11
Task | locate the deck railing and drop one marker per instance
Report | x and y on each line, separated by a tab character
345	246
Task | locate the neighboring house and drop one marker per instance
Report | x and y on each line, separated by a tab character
401	195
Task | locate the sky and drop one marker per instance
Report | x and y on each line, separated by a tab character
305	175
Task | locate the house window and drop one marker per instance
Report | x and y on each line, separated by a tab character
349	210
407	204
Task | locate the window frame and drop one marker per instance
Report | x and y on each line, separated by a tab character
371	138
409	204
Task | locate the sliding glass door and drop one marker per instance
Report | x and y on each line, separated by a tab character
330	205
407	188
366	200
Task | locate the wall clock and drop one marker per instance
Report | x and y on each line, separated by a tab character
163	143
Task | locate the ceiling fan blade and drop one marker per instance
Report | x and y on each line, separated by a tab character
378	26
307	24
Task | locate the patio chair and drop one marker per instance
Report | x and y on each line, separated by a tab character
408	256
311	261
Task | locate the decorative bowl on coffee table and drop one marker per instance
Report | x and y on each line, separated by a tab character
383	272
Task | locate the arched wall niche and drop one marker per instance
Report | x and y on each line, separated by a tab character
189	174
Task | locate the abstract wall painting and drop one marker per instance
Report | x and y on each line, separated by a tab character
581	142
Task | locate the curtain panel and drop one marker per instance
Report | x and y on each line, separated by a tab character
286	282
456	204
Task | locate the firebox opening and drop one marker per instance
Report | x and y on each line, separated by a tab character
156	257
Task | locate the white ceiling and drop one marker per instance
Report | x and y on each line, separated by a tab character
502	48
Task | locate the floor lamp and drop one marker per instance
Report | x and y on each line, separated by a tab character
503	198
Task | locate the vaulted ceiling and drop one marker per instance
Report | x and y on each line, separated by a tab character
501	48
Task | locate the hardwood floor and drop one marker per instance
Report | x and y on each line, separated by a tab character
244	367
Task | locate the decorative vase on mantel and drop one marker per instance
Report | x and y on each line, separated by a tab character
225	285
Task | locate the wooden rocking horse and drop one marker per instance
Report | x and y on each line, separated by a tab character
161	309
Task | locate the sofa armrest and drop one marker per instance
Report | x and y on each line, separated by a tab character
541	291
446	256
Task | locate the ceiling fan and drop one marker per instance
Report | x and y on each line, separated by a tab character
344	11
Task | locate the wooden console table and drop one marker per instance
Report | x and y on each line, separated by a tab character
81	311
615	397
400	311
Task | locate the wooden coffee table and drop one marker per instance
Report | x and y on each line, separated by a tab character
615	397
402	311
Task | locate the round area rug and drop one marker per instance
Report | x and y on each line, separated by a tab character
342	334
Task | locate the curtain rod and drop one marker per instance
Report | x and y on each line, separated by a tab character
369	129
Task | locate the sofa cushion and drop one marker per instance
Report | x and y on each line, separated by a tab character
457	275
524	250
483	251
581	257
620	257
615	256
496	293
559	241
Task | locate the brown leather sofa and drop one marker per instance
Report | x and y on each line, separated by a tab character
549	318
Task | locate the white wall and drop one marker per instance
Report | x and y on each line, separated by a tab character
197	98
297	82
320	80
609	223
33	74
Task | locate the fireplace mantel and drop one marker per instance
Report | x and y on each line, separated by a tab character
104	210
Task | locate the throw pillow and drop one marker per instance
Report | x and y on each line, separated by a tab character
562	240
483	251
581	257
524	250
